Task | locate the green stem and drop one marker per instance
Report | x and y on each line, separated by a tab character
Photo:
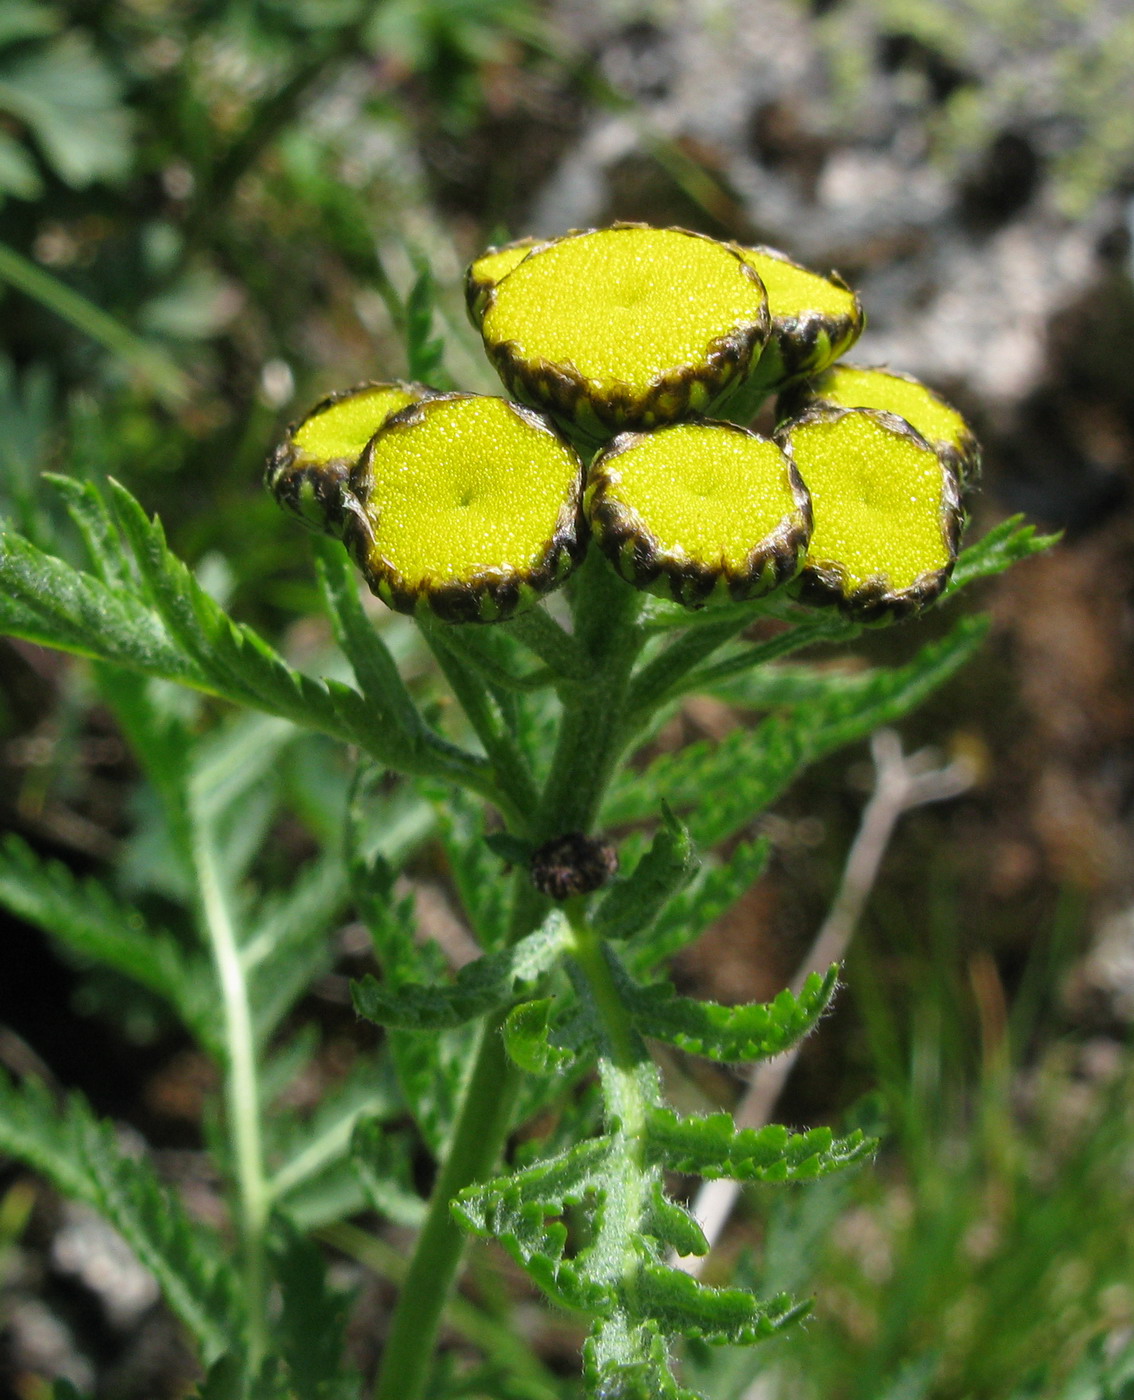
592	733
242	1095
484	1120
493	1338
591	738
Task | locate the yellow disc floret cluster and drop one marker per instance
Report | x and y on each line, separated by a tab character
638	356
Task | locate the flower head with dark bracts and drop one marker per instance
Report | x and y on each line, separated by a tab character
643	353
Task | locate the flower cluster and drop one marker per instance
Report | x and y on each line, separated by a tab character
634	357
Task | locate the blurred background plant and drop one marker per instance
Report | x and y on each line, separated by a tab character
213	212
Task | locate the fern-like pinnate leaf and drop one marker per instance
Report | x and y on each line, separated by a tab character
714	889
755	1031
83	915
311	1329
749	769
82	1157
667	866
712	1147
1005	544
481	987
168	627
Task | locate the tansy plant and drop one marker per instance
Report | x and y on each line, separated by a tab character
678	552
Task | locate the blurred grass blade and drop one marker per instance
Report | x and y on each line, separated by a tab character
167	380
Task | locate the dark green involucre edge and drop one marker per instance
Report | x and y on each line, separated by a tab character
309	472
624	327
467	506
887	512
699	512
859	386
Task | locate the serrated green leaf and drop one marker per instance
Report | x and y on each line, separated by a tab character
680	1305
87	918
300	1147
433	1071
755	1031
632	904
475	867
746	771
81	1156
44	600
287	945
311	1331
104	545
479	988
374	668
711	893
424	352
1004	545
712	1147
519	1210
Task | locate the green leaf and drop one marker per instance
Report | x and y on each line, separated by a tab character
382	1160
81	1156
672	1225
424	352
712	892
44	600
712	1147
631	1365
519	1210
433	1071
1004	545
288	944
679	1304
747	770
303	1146
87	918
479	988
527	1038
633	903
374	668
474	862
310	1334
69	98
173	630
756	1031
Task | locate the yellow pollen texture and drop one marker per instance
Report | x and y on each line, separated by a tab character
344	429
704	492
877	500
491	267
792	291
624	306
875	388
469	489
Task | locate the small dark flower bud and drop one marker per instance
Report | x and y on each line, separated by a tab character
573	864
